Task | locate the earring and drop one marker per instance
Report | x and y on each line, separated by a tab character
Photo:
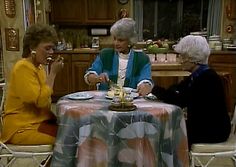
33	54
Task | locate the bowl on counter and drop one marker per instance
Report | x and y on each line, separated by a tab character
153	49
231	47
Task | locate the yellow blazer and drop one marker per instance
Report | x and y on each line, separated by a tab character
28	99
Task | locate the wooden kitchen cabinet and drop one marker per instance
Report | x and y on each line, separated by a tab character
83	12
225	61
100	11
79	66
67	11
63	79
165	75
71	78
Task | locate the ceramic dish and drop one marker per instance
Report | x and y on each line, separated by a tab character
80	96
133	94
231	47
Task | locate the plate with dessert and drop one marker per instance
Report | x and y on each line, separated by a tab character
110	94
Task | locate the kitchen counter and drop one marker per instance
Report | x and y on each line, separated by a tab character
225	52
166	74
91	50
79	50
166	66
215	56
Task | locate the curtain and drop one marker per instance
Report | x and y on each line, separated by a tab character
214	17
138	17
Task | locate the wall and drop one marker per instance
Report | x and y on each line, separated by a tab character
226	21
10	57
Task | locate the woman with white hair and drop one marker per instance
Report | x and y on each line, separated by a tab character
121	64
202	94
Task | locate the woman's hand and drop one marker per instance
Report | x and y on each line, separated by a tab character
94	79
144	89
57	65
103	77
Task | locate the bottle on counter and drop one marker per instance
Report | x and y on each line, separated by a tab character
215	42
61	44
218	45
227	42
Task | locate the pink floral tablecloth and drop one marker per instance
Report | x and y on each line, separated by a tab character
90	135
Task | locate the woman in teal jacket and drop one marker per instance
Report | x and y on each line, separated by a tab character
122	65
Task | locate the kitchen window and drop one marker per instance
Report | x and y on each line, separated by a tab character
171	19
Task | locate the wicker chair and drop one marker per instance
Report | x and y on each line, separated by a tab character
227	82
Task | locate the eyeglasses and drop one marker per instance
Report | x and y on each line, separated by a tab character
186	60
183	58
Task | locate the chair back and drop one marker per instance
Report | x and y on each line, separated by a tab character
226	79
233	124
2	85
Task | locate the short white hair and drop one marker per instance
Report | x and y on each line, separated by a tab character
125	29
195	48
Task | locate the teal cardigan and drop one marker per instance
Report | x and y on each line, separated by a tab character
138	67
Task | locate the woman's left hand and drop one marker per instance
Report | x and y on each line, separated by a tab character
144	89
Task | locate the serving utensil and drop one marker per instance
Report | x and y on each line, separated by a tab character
111	84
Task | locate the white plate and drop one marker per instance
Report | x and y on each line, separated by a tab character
80	96
128	89
133	94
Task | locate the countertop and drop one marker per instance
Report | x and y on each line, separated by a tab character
224	52
166	66
91	50
79	50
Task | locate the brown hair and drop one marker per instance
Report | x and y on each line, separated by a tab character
36	34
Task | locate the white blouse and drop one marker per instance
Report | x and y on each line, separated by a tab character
123	62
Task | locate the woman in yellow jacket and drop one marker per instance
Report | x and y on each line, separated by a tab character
27	116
